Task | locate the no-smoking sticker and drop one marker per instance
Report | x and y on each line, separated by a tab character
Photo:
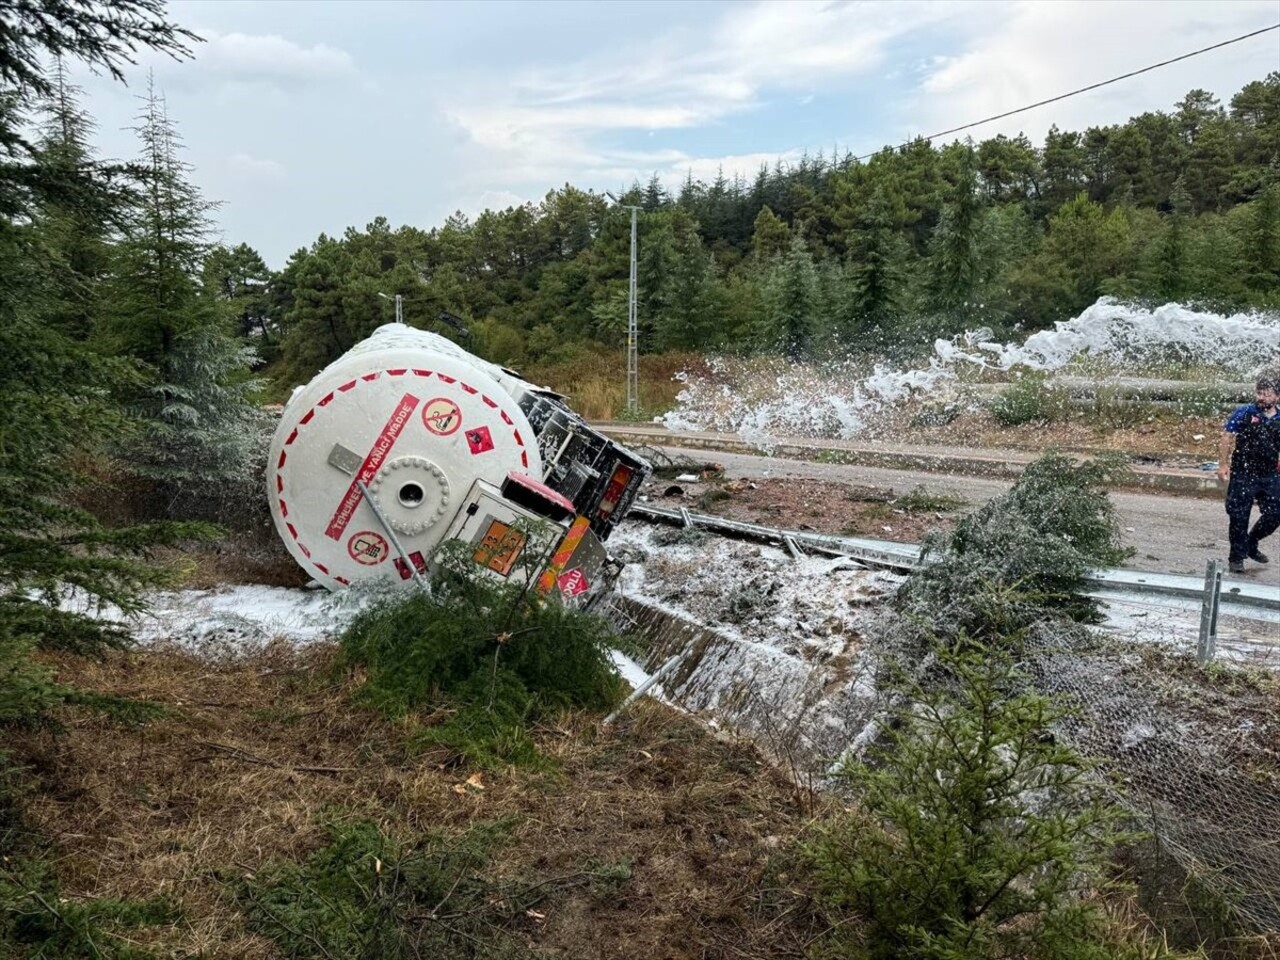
441	416
368	548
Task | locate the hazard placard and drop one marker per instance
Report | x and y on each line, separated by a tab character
499	547
573	582
480	440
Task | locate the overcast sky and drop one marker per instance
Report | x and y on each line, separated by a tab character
303	116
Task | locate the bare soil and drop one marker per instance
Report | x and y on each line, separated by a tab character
250	761
823	506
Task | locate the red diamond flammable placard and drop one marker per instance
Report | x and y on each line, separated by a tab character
479	440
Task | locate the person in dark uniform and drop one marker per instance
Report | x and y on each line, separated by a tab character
1247	455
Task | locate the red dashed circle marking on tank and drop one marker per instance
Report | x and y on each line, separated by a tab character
328	398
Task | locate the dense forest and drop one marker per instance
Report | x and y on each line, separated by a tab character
829	254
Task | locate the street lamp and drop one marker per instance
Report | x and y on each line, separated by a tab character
633	358
399	310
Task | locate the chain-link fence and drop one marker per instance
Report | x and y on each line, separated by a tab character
1194	753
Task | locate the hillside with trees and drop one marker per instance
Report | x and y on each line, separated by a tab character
832	254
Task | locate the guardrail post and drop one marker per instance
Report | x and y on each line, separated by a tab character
1209	611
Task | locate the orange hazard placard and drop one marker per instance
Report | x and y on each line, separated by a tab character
499	547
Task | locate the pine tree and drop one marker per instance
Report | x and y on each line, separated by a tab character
876	252
690	318
238	277
770	237
1262	244
58	401
1170	280
202	428
953	263
76	214
983	833
793	304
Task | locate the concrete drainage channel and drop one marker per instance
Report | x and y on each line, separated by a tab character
802	711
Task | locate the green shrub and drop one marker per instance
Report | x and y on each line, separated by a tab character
923	500
493	655
1017	562
1030	399
980	835
367	897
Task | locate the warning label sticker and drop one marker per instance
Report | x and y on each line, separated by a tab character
441	416
499	547
572	582
368	548
479	440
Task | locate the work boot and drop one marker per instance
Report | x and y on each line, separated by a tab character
1235	566
1256	555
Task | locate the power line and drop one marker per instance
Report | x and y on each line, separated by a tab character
1092	86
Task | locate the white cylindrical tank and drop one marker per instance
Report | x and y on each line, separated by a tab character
414	417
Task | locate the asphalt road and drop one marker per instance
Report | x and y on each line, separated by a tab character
1169	534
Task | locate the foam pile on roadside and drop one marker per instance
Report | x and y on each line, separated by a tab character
764	399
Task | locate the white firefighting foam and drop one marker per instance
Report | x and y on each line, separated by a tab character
763	399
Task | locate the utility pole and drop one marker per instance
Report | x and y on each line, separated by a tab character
633	355
399	306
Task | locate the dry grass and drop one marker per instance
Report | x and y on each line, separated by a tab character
251	761
596	384
1167	435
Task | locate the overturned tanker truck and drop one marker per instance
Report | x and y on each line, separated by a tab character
407	442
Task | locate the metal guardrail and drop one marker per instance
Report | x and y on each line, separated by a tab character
1240	598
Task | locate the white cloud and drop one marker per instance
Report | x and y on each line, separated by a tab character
248	166
258	57
1035	49
550	122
